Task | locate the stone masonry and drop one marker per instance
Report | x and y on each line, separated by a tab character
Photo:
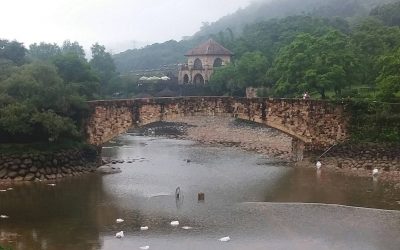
314	124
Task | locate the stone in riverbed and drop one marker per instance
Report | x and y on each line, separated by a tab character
106	169
3	173
22	172
19	178
29	177
12	174
14	167
33	169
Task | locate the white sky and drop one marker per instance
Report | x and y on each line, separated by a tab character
114	23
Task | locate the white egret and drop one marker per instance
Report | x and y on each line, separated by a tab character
175	223
119	235
225	239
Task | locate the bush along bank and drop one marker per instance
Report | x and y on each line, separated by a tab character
48	165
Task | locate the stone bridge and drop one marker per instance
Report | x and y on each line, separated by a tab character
314	124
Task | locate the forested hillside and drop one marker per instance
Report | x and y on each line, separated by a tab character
231	26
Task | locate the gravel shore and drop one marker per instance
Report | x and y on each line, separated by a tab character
227	131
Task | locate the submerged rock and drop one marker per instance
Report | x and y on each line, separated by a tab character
106	169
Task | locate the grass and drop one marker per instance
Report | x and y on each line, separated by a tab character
5	248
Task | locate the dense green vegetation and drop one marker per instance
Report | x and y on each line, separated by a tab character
43	90
331	58
171	52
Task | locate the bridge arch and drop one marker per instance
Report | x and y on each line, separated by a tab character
315	125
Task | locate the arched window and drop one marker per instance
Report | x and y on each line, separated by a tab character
198	79
197	64
217	62
185	79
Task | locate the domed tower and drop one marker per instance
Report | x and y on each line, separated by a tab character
201	62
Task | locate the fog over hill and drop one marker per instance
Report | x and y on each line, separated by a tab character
170	52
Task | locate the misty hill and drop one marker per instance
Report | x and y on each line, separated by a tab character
264	10
171	52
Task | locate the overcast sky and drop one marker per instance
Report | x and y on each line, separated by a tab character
115	23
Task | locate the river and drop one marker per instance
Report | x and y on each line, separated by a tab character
258	202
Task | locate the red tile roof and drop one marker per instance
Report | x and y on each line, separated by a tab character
210	47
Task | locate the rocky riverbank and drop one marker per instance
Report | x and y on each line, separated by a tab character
48	165
360	159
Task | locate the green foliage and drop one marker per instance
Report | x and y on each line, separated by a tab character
312	63
371	39
234	78
373	121
251	69
224	80
154	56
5	248
73	48
231	27
389	77
102	64
36	105
44	51
389	13
13	51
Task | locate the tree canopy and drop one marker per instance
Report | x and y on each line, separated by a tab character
43	90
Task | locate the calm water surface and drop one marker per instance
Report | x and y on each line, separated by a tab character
259	203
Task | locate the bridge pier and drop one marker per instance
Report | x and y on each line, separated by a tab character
298	147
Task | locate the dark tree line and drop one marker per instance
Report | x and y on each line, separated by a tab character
43	89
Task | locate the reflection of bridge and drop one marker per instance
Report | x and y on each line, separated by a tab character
314	125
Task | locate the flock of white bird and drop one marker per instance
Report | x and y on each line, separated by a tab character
174	223
375	171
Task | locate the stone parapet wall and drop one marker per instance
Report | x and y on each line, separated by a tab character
317	124
47	166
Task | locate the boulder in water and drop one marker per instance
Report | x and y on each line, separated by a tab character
107	169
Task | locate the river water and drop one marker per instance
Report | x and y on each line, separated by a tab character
257	202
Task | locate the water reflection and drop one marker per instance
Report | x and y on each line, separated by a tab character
80	213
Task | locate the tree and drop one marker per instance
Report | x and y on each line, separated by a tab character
74	48
44	51
389	13
251	69
371	39
388	80
314	63
103	64
13	51
36	105
224	81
